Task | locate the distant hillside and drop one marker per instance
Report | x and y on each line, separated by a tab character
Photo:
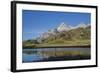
71	35
65	34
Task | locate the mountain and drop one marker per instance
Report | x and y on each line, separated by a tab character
65	32
82	25
63	27
66	27
64	35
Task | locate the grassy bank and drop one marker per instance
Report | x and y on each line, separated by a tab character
60	44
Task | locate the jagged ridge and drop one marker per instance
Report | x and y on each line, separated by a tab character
66	32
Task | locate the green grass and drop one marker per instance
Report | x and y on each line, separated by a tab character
54	45
58	43
69	42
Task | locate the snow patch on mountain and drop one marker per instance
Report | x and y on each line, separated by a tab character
63	27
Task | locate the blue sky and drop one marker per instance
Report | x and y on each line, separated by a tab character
36	22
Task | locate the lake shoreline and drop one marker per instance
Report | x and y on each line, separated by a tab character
57	46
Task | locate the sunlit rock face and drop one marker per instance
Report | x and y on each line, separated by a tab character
81	25
63	27
60	29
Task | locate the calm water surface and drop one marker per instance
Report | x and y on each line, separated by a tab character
53	54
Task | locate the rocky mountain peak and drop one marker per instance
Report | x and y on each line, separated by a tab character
63	27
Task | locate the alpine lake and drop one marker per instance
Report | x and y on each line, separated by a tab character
55	54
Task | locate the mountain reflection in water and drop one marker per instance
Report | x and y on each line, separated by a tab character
55	54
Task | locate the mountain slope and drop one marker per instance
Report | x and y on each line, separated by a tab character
79	34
